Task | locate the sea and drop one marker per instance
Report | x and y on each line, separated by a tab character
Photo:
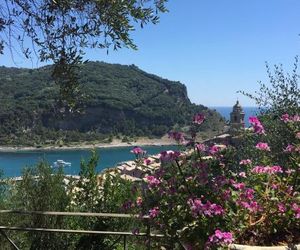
13	163
225	112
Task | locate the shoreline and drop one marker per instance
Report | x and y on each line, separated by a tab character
113	144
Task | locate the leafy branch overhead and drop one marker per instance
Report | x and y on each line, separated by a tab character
60	30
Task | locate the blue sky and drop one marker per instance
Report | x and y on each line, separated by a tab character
214	47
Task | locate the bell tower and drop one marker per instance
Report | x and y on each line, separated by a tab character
237	118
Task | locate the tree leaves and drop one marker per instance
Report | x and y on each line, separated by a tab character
63	29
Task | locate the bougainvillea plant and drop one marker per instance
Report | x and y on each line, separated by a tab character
205	199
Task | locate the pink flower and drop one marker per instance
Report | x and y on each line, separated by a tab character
152	181
207	209
147	161
266	169
298	135
177	136
154	212
239	185
216	148
242	174
256	124
296	209
169	156
216	209
296	118
285	118
289	148
247	194
200	147
138	151
263	146
198	119
245	162
281	207
226	194
276	169
253	120
219	238
290	171
252	206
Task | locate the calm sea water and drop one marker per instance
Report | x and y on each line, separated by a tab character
225	112
13	163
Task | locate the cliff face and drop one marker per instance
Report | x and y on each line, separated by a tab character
119	99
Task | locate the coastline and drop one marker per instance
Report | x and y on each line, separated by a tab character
81	146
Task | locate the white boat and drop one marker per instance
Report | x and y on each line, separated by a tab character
61	163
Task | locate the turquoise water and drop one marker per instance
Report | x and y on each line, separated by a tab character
13	163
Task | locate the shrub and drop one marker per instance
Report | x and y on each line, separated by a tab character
206	199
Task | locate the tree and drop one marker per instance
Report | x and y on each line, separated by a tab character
60	30
40	189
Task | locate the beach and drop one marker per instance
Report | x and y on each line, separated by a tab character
143	141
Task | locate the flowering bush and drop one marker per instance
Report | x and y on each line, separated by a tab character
206	198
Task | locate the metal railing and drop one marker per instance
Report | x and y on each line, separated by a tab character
148	233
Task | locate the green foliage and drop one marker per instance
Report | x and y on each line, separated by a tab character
118	100
280	96
60	31
41	189
106	194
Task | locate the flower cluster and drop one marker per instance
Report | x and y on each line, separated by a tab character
202	194
200	147
216	149
267	169
296	209
154	212
290	118
138	152
207	209
219	238
177	136
263	146
257	126
291	148
245	162
152	181
147	161
169	156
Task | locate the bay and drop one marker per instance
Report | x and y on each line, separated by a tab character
12	163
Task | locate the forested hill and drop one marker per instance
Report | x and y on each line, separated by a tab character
120	100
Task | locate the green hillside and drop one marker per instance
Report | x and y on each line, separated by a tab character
118	100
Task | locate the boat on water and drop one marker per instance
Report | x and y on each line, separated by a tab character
61	163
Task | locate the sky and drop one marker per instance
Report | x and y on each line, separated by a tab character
214	47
